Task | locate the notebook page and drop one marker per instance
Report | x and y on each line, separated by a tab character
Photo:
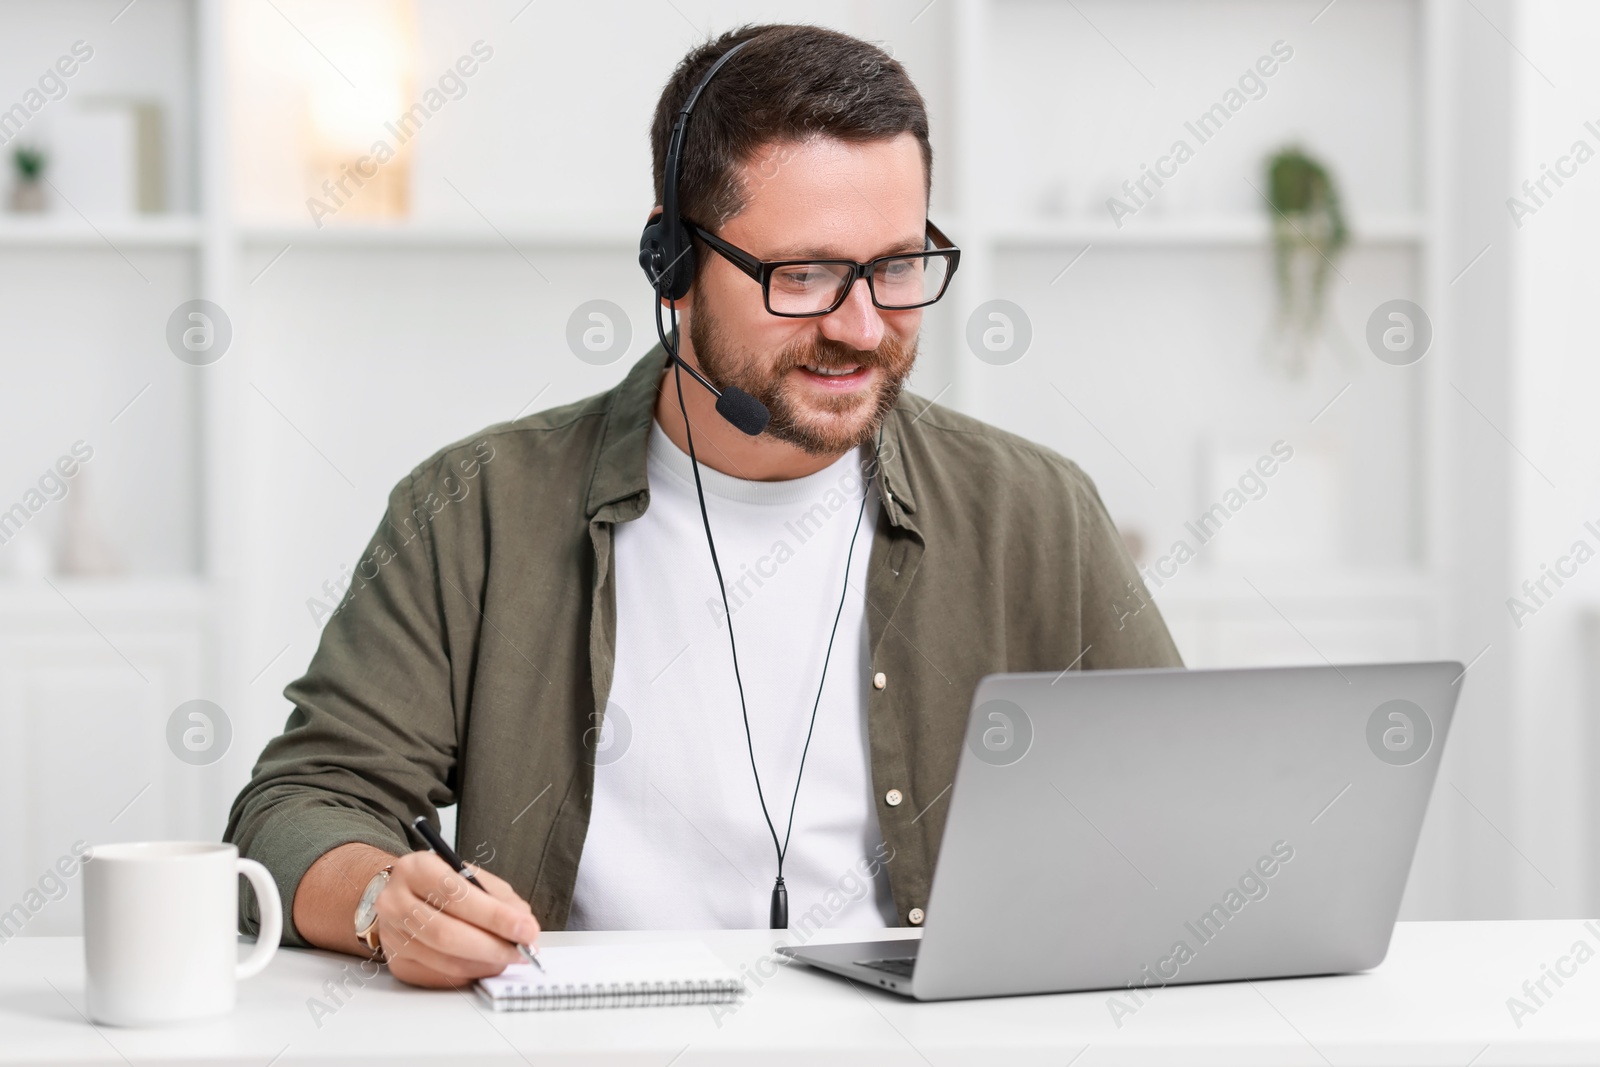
604	965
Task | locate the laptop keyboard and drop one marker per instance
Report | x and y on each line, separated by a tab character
899	967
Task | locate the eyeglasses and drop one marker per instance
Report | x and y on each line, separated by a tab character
805	288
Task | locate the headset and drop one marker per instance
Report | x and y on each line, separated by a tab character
667	256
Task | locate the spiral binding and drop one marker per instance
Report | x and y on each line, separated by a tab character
549	997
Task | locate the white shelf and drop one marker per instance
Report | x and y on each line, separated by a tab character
612	233
65	229
24	598
1180	231
607	233
1326	586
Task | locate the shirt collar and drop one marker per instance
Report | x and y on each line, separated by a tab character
621	472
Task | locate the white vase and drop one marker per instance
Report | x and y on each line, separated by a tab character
27	197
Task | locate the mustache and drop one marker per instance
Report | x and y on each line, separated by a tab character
831	354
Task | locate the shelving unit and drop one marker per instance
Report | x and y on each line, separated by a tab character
91	668
73	231
276	520
1398	234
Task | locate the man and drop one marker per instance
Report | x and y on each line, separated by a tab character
537	633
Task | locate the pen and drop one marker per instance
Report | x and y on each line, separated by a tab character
448	854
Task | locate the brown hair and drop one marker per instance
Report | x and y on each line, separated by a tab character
791	83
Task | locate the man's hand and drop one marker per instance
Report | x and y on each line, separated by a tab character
438	930
435	928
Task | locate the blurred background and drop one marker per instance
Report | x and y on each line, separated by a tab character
258	258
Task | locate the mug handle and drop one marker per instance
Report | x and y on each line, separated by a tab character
271	919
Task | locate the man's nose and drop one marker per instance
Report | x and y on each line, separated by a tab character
855	322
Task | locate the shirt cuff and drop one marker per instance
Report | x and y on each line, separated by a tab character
294	837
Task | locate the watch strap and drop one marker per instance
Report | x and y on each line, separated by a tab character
369	935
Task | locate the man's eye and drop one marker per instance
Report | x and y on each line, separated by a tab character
796	278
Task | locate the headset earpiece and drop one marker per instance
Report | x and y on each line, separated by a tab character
670	272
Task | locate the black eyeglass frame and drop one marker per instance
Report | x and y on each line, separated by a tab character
762	270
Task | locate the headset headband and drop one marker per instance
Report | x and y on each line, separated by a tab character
665	250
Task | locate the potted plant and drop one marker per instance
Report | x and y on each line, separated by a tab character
28	192
1308	235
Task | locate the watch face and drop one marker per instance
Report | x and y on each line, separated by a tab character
367	910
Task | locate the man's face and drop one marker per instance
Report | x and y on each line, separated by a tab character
827	199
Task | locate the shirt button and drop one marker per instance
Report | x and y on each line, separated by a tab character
880	680
893	798
915	916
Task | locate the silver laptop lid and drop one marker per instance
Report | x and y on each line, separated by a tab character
1110	828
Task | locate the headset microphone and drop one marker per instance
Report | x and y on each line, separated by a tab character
734	404
743	410
737	406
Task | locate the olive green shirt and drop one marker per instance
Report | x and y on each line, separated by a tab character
470	657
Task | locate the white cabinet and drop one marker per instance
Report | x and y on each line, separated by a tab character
84	704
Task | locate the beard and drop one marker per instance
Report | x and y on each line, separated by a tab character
818	426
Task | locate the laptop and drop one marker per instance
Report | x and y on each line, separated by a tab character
1144	828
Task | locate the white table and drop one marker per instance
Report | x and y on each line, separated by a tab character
1440	998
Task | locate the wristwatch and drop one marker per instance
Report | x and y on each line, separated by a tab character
367	912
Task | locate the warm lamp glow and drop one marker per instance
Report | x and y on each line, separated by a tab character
318	85
375	42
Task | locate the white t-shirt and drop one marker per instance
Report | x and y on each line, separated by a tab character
676	837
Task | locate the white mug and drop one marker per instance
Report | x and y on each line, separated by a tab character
159	930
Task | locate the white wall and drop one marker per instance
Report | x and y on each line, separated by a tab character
1556	381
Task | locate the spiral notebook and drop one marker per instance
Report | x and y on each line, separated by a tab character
614	976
